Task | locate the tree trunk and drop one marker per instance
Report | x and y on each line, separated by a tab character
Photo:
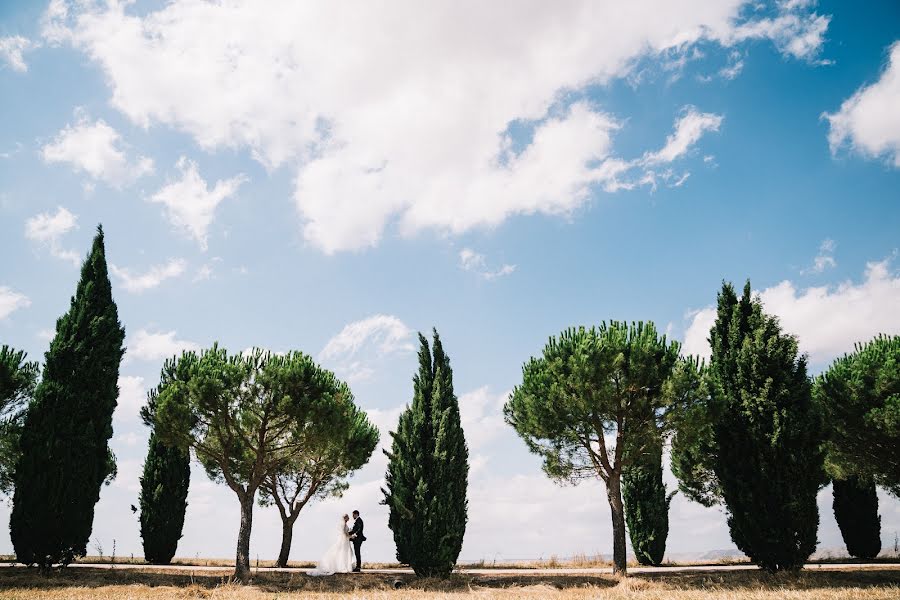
242	560
614	495
287	534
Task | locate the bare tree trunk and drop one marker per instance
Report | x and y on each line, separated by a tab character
614	495
242	560
287	535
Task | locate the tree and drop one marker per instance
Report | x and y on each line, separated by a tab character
65	456
247	416
428	470
860	397
17	381
646	502
755	445
163	499
856	512
164	483
320	471
591	394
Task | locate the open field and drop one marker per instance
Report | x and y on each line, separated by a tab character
881	582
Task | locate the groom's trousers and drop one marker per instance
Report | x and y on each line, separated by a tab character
357	544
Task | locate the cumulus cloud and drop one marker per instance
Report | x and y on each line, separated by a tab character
12	50
11	301
132	396
469	260
869	122
47	229
156	346
189	203
388	136
96	149
153	277
827	320
359	345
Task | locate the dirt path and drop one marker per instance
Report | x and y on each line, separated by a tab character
498	571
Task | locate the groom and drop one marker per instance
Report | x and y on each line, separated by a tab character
357	537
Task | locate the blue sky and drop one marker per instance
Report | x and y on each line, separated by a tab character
333	182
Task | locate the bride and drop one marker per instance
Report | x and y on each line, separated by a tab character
339	557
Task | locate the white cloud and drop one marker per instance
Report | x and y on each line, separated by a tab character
11	301
386	136
12	49
481	413
359	345
156	346
688	131
153	277
190	204
827	320
132	396
95	148
868	121
795	35
47	229
469	260
824	259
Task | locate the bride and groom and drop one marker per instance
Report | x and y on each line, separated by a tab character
348	541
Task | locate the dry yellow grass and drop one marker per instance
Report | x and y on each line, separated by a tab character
149	584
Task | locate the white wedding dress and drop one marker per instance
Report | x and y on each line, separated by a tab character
339	557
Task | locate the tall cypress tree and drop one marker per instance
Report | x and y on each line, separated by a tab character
65	456
768	460
428	470
856	512
646	504
164	482
163	499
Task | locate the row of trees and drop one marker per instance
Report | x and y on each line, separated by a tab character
749	431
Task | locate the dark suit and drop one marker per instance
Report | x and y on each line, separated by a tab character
357	541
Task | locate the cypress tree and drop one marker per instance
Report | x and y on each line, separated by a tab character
856	511
428	469
768	460
65	457
163	499
646	505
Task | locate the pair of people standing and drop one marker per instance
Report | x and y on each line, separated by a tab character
348	541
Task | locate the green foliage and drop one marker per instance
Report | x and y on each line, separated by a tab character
693	440
767	434
856	511
860	397
427	475
592	393
320	471
247	416
65	457
163	499
646	505
17	381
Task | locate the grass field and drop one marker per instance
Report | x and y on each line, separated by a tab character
149	584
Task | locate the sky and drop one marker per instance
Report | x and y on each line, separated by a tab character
335	177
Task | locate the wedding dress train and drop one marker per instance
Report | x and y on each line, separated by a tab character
339	557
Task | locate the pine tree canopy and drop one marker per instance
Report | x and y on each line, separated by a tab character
575	400
17	381
860	397
65	457
247	416
427	475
